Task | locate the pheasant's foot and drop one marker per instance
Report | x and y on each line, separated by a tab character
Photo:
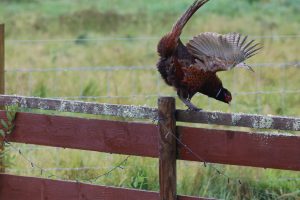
190	105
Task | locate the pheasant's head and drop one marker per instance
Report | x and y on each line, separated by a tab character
224	95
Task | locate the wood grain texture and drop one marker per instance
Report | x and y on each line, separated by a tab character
89	134
126	111
29	188
218	146
140	112
240	119
241	148
167	148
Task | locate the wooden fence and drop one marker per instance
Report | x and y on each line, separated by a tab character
166	141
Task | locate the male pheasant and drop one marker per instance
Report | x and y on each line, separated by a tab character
192	68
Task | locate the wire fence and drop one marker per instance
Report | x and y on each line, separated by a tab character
119	68
140	38
136	84
134	88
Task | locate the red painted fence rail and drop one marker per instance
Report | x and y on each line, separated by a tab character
141	139
23	188
277	151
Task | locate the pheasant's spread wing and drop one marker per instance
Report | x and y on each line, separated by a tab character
216	52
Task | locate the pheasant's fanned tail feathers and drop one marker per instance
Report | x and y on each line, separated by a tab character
170	41
226	51
181	22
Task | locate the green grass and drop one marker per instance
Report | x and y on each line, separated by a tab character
79	20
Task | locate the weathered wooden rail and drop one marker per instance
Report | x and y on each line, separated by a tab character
140	112
277	151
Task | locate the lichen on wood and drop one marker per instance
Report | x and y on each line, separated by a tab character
126	111
142	112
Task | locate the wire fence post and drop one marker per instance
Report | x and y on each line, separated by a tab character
2	82
167	148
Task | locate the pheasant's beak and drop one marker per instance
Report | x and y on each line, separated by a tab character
244	65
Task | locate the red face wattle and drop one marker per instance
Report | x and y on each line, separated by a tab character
228	98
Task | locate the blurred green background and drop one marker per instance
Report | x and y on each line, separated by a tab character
105	51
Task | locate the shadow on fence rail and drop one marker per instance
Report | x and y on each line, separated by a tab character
170	142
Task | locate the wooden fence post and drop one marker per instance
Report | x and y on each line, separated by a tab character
167	148
2	80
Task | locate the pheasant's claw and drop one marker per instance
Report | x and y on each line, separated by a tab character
188	103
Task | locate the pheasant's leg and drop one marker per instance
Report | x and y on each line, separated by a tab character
189	104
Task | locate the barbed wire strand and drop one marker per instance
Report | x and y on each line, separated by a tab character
118	166
66	168
11	69
200	159
42	171
108	168
138	38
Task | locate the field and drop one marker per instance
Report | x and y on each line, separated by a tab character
105	51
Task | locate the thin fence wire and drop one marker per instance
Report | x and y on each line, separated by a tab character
81	68
11	69
42	170
139	38
136	96
63	169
